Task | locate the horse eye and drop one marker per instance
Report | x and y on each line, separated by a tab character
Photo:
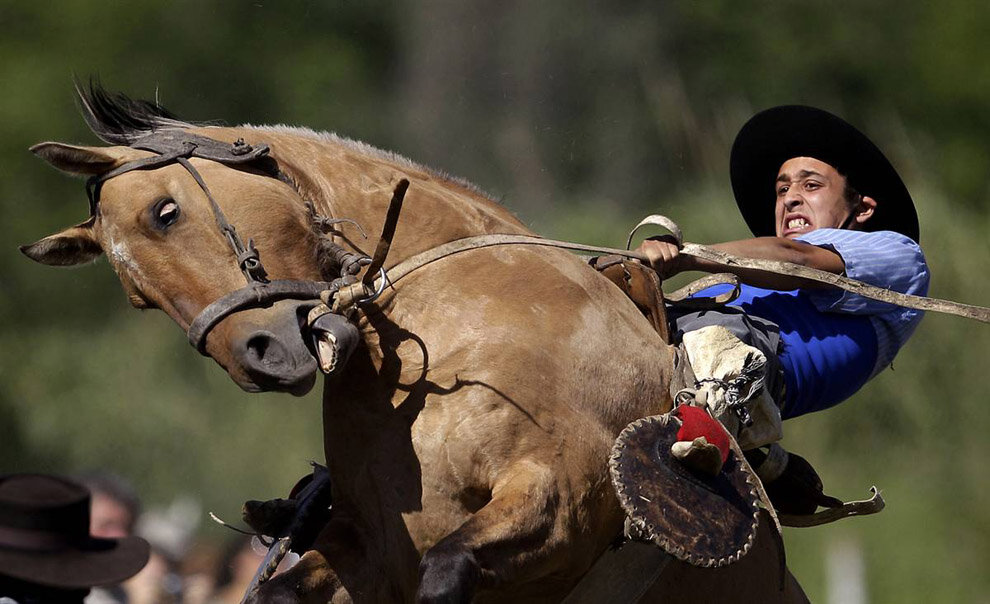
165	212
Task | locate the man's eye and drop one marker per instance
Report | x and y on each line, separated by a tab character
782	190
165	213
812	185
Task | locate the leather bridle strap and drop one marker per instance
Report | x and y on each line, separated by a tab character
95	183
253	296
388	232
247	256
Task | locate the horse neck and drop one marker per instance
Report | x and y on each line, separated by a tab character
347	179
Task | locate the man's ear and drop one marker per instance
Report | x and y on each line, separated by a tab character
74	245
75	159
864	209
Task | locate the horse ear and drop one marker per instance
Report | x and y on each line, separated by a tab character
74	245
75	159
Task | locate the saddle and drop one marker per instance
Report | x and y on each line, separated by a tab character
641	284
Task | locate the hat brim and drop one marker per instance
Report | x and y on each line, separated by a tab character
92	563
776	135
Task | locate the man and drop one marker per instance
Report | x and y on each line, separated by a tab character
113	513
816	192
115	505
46	551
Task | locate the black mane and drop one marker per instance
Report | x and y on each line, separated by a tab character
119	120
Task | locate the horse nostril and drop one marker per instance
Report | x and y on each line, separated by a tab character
265	351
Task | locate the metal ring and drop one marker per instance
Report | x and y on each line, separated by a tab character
381	288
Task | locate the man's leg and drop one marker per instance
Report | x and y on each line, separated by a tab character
734	359
720	345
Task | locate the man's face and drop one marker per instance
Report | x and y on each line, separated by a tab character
810	195
109	518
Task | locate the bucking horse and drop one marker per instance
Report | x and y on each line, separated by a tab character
468	433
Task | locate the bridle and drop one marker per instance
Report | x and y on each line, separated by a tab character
174	146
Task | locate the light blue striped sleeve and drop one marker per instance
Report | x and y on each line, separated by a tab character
883	258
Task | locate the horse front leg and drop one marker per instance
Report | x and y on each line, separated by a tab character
511	540
342	567
310	581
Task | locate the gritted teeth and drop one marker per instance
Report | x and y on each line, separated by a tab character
797	223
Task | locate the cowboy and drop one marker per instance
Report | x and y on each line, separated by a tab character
817	192
46	551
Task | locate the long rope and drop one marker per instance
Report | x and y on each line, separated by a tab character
695	250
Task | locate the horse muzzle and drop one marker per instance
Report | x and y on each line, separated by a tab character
278	354
274	356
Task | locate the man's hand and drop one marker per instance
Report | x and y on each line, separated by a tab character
664	255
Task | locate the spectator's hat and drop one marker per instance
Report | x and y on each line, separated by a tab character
44	536
776	135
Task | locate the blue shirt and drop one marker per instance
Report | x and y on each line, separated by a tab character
834	341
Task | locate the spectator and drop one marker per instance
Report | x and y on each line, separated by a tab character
46	551
116	505
114	514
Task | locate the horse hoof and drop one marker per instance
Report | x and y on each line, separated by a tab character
271	517
448	574
278	590
272	594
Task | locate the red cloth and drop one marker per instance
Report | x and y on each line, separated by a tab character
697	422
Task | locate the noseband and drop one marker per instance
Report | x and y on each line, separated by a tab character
175	146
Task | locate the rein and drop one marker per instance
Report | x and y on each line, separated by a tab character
866	290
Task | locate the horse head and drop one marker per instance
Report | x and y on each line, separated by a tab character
159	229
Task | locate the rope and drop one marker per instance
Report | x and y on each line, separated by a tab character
967	311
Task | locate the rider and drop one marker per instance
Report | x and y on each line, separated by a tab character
837	205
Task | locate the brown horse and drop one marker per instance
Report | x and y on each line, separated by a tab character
468	435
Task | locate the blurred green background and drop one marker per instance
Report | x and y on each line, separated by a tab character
579	116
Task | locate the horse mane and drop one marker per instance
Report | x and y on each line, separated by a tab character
370	150
120	120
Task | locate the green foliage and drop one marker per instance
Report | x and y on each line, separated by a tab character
581	118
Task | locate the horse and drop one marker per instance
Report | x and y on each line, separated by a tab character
468	434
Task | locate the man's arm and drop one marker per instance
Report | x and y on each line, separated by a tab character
666	259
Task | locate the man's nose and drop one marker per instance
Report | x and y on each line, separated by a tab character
792	200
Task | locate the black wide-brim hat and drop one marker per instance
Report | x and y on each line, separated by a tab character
44	536
776	135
